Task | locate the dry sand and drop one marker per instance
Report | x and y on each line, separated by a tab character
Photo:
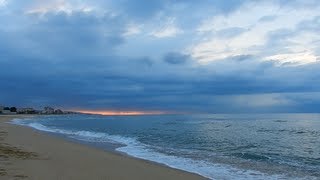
28	154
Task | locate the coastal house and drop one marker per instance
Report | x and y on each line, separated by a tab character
7	110
26	111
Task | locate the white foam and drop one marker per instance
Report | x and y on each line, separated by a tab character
206	169
81	135
139	150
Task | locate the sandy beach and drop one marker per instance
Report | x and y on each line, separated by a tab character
28	154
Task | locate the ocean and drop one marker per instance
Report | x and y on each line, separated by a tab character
216	146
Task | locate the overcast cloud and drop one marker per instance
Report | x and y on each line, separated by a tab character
163	55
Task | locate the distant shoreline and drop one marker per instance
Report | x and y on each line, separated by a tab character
36	155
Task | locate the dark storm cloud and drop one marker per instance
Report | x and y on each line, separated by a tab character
142	89
100	87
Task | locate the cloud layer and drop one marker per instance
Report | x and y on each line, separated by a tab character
179	56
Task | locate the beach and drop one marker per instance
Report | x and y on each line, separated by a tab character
26	153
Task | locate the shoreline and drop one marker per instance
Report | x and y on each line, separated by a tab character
31	154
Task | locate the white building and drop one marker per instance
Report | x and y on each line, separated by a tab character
26	111
7	111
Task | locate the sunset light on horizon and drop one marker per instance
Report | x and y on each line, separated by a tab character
121	113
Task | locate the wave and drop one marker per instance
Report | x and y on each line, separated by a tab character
133	147
80	135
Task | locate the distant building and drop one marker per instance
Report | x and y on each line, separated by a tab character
58	111
48	110
8	112
26	111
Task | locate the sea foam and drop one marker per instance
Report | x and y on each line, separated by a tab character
133	147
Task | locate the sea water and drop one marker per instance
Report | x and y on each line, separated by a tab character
216	146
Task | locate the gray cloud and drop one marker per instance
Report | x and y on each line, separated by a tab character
267	18
72	60
230	32
310	25
176	58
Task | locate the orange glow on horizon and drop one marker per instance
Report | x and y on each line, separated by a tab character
122	113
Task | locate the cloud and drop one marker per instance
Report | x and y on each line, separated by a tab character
141	9
263	29
60	36
132	29
3	3
176	58
168	29
43	7
294	58
267	18
246	57
230	32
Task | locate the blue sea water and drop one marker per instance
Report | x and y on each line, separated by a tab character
217	146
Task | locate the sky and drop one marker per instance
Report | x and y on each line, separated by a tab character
208	56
